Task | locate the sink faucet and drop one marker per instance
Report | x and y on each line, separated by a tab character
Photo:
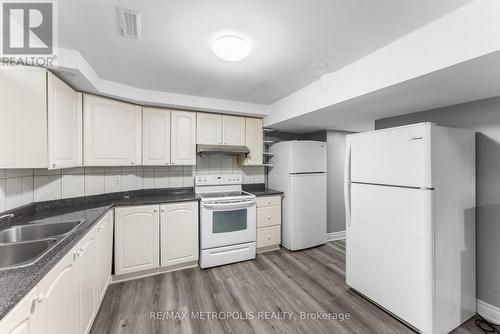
10	215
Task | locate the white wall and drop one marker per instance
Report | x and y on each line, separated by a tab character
335	143
23	186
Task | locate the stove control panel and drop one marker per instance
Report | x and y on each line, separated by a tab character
213	180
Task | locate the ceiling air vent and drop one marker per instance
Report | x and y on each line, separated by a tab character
130	23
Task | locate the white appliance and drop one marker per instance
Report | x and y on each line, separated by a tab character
227	220
299	170
410	226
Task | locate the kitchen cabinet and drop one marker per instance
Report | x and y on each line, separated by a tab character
179	233
40	122
183	139
23	117
65	147
254	140
86	274
208	128
268	223
155	136
233	130
104	253
136	238
23	318
112	132
67	299
57	298
216	129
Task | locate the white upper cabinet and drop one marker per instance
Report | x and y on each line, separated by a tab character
112	132
233	130
254	141
179	233
64	124
208	129
23	117
155	136
183	149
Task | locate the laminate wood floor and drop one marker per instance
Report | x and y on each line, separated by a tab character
281	283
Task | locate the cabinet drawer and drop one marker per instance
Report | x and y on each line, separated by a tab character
268	236
268	216
268	201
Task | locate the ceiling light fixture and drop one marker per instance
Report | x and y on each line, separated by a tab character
231	47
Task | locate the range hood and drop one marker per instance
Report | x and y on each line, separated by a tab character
203	149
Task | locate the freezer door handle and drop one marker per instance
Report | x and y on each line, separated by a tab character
347	183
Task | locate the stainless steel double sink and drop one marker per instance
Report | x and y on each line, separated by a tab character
23	245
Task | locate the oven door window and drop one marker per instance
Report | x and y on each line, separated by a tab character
229	221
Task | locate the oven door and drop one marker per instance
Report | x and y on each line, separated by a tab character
227	223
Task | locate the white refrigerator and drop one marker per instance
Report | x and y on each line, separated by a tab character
410	226
299	170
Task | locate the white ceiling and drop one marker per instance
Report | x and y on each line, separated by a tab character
468	81
175	56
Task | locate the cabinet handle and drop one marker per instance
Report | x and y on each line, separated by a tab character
162	210
269	202
268	237
133	163
39	298
54	165
155	211
99	229
269	217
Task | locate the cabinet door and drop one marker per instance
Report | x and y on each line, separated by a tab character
155	136
87	282
179	233
64	124
233	130
208	128
183	138
104	253
57	298
23	318
112	132
23	117
254	141
136	239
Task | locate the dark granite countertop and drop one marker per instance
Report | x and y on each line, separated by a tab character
16	283
260	189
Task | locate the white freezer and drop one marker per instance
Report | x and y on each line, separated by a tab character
389	250
399	156
307	157
306	223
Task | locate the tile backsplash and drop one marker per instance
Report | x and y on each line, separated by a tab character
23	186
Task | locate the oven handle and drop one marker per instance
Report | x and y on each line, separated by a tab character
240	205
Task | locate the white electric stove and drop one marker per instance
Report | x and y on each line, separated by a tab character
227	220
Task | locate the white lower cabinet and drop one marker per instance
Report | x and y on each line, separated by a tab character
23	319
179	233
104	253
86	276
57	298
144	234
66	300
136	238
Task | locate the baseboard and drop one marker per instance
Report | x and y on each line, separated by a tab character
152	272
335	236
488	311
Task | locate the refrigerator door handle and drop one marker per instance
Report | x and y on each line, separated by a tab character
347	183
